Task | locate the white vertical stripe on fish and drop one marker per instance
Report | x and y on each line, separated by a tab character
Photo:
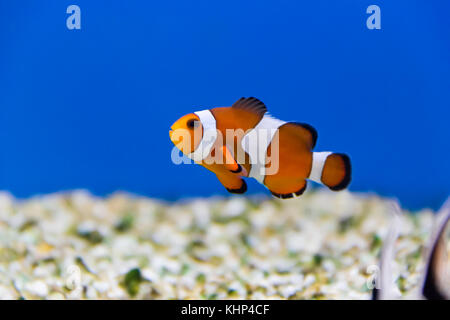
318	161
209	136
256	142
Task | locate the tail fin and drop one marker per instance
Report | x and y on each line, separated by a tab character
332	169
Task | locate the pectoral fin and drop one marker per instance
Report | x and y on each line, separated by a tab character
232	182
230	163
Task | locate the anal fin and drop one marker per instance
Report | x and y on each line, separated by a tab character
286	193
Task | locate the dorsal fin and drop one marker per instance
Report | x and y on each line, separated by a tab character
251	104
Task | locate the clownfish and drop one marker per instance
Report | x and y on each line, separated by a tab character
245	141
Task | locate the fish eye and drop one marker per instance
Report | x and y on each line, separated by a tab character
192	123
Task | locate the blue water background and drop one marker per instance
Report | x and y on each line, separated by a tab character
91	108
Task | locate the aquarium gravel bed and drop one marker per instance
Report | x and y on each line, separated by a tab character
319	246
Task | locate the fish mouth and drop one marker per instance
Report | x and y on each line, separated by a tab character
170	135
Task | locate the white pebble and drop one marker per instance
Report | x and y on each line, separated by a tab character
37	288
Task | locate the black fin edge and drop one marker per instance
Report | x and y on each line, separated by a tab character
251	104
283	196
300	192
289	195
348	173
311	130
241	190
239	169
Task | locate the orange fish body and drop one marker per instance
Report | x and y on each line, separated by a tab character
244	141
